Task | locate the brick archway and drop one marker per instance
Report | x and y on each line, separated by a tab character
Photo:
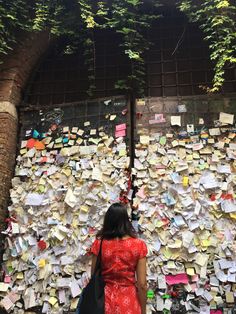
14	73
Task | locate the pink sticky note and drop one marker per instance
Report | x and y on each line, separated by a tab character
216	312
141	192
193	286
120	127
159	117
176	279
7	279
121	133
153	122
195	278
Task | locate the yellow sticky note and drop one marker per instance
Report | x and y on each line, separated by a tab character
52	293
73	304
167	253
122	152
185	181
190	271
41	189
56	215
229	297
84	208
75	223
42	181
159	224
42	263
175	143
196	156
196	241
189	157
171	265
23	151
144	139
206	243
233	215
66	171
20	276
52	301
25	257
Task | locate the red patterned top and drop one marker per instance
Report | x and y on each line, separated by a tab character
119	261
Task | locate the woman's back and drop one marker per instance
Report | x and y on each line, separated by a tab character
119	262
123	257
120	258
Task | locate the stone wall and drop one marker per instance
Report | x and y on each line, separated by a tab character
14	74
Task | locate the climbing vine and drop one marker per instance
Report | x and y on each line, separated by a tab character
217	20
79	19
87	34
130	20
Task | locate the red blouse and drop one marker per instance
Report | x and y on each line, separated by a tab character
119	262
120	258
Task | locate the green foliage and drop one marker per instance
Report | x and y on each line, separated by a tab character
14	15
128	19
217	20
78	20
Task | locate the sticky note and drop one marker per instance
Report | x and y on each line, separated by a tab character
120	127
42	263
4	286
20	276
162	140
226	118
7	279
175	120
93	132
229	297
144	139
84	208
66	129
177	279
52	301
36	134
185	181
190	271
121	133
112	117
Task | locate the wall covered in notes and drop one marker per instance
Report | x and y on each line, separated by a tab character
185	176
74	160
67	173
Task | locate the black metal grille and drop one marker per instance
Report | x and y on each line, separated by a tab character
177	64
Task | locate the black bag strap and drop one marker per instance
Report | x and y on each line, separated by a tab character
98	266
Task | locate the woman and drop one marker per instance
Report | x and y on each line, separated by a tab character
123	263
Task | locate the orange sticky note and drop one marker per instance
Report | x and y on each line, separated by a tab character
39	145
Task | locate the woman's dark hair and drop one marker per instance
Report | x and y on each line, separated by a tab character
116	223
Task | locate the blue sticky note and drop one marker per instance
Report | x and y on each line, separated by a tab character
36	134
169	200
65	140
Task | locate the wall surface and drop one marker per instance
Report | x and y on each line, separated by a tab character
59	79
14	74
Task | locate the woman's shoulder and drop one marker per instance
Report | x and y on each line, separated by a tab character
137	241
